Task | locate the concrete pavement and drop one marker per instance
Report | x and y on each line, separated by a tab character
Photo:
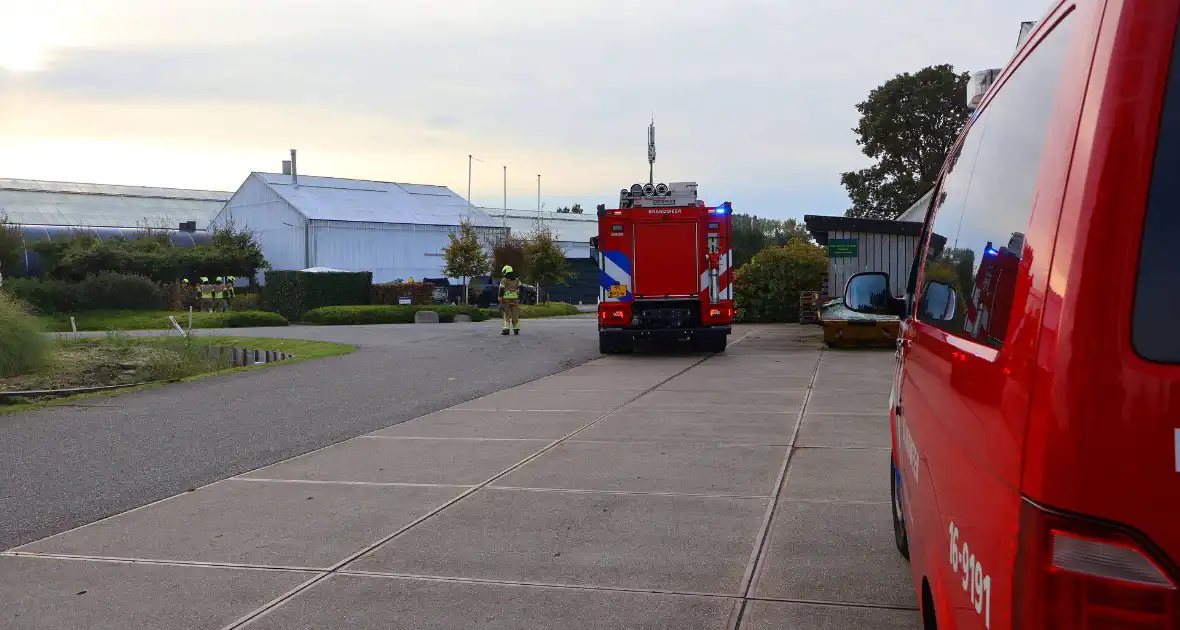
746	490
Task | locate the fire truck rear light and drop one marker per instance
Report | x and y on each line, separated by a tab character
614	314
1105	560
715	312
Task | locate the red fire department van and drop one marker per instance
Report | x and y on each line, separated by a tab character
1036	402
664	269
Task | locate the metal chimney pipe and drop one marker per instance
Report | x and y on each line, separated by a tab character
286	167
294	170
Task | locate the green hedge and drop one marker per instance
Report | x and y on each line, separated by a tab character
105	291
379	314
533	311
253	319
293	293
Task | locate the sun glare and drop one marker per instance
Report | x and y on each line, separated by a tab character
25	41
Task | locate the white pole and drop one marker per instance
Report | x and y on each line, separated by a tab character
469	158
74	326
505	217
190	318
538	194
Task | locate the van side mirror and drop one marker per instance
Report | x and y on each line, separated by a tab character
939	301
869	293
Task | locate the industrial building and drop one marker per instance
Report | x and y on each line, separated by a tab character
49	210
392	229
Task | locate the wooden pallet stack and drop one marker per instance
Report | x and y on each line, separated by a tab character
809	304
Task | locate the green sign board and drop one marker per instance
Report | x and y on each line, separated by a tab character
842	248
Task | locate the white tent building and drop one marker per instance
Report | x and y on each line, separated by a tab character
393	230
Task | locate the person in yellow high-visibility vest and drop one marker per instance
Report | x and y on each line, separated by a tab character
510	300
206	292
229	290
219	295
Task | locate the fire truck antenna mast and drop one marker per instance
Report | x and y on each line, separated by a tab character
651	150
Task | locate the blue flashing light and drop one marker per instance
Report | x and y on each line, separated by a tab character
722	209
991	252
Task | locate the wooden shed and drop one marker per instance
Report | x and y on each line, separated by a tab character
858	245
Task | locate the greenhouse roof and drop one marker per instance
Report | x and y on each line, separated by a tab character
34	202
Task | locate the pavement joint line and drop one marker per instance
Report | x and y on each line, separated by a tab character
161	562
574	587
831	501
513	410
707	408
459	438
755	562
682	442
280	600
326	482
822	447
836	604
638	493
879	415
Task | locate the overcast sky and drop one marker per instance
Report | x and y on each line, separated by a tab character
753	99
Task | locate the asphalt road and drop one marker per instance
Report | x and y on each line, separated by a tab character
65	466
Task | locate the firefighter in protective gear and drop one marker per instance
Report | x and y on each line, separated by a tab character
206	292
219	295
510	300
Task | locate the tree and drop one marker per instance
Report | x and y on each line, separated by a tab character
576	209
908	125
508	249
465	256
545	262
767	289
752	234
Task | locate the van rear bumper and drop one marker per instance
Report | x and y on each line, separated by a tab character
662	333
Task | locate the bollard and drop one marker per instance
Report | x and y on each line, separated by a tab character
176	325
74	326
190	318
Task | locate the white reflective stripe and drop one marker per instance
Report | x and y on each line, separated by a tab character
724	294
722	267
616	273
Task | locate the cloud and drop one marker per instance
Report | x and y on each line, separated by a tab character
745	93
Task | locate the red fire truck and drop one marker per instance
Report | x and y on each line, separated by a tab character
664	269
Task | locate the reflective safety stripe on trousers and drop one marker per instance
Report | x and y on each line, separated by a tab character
511	295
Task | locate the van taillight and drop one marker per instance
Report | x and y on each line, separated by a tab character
1074	573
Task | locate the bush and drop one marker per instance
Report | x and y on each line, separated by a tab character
105	291
293	293
253	319
46	296
114	291
767	288
388	293
549	309
379	314
244	302
22	346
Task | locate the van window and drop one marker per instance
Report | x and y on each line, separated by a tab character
1155	330
986	199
